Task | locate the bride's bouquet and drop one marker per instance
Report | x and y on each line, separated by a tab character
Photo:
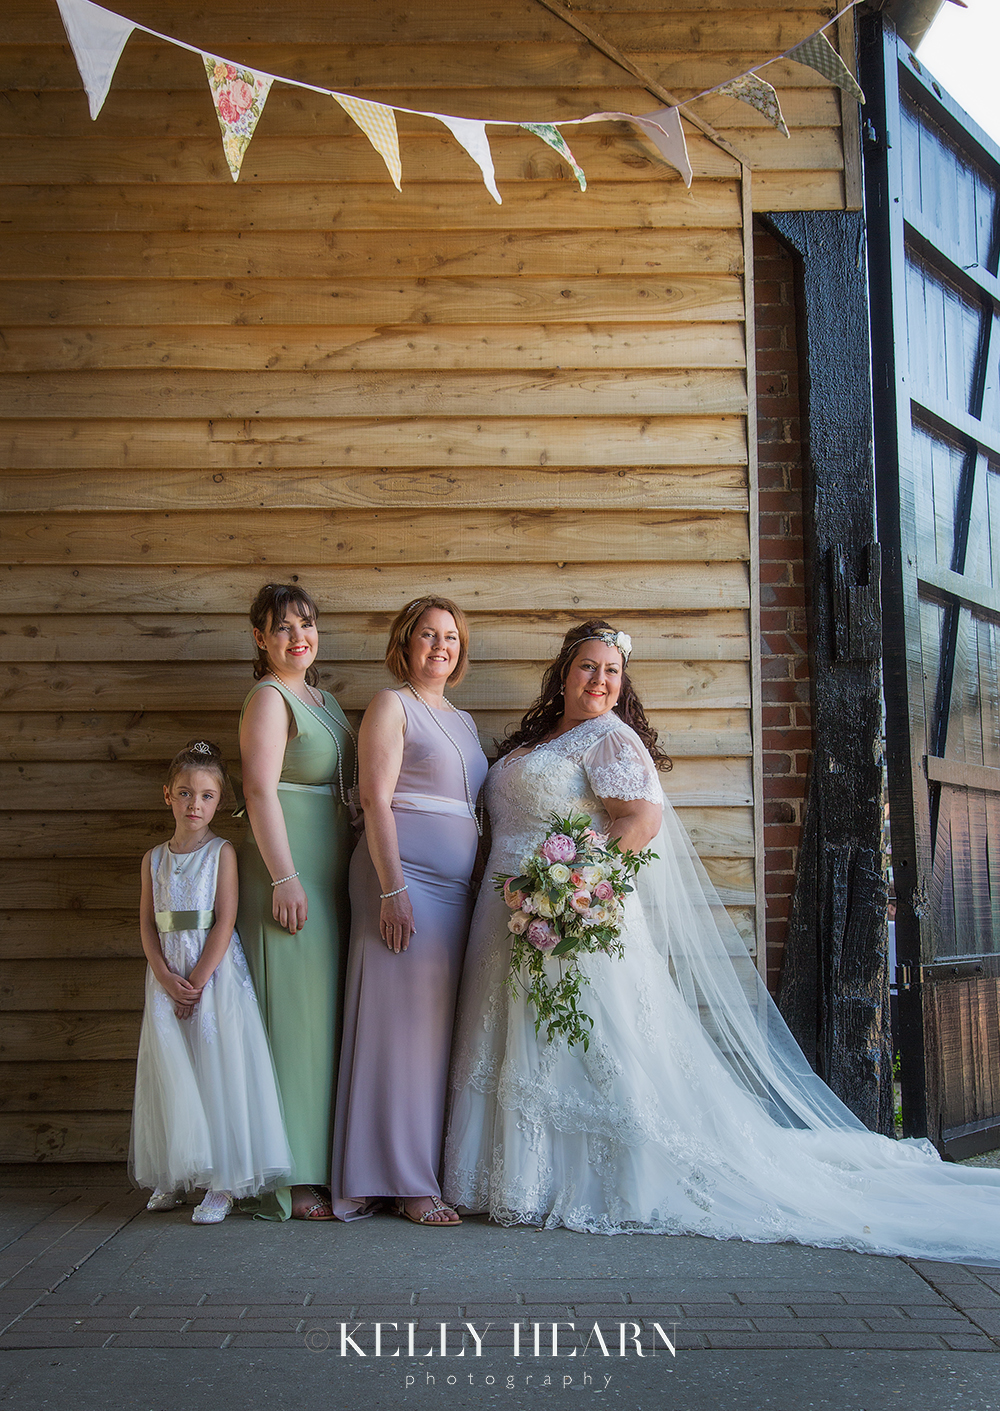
568	900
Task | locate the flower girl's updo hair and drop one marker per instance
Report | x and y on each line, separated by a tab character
199	754
544	715
269	607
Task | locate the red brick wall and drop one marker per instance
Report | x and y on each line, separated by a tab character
786	712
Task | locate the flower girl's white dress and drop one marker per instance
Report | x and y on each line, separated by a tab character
693	1111
207	1111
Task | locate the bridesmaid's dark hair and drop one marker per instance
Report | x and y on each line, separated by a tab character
404	624
199	754
268	608
544	715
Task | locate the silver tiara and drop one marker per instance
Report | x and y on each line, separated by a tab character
200	747
621	640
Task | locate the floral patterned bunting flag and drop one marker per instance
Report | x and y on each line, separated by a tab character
748	88
97	38
818	53
239	96
549	133
378	123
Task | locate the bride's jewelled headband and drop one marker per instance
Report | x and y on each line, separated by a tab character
621	640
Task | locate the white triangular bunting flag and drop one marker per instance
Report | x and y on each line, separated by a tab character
239	96
664	129
97	38
378	123
472	135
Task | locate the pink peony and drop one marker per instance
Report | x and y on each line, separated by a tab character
558	848
580	901
234	100
542	936
604	891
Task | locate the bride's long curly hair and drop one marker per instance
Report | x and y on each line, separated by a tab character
547	710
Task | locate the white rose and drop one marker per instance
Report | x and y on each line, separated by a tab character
559	872
518	923
592	875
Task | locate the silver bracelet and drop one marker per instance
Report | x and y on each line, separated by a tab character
284	879
386	895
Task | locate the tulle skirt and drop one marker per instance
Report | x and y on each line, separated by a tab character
207	1113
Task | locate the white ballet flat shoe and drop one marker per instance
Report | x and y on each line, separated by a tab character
213	1209
165	1200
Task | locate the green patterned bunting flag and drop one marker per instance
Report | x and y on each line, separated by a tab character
819	54
748	88
551	134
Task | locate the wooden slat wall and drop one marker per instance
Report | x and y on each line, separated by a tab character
539	409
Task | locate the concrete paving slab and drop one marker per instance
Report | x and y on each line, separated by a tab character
122	1379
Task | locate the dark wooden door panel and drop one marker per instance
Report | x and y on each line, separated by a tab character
933	204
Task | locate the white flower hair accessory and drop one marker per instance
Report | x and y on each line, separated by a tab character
621	640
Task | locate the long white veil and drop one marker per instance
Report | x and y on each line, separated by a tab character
721	985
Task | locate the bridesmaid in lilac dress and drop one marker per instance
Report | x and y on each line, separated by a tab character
421	769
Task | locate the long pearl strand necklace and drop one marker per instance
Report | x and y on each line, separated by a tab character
448	736
344	799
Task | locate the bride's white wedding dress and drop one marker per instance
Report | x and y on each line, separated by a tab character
693	1111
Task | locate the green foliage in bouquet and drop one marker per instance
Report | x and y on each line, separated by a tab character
567	901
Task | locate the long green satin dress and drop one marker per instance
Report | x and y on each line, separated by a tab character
300	979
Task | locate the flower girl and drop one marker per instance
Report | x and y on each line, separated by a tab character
207	1113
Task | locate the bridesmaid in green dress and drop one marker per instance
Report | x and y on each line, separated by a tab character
298	766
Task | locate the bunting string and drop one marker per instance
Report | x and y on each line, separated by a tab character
98	37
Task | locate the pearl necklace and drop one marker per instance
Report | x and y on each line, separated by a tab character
448	736
344	799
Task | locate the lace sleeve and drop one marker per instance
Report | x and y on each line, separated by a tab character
618	767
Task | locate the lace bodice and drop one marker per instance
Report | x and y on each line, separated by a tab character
600	759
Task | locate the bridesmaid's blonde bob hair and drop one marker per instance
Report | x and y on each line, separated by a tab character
405	624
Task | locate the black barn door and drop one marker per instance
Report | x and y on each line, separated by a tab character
932	186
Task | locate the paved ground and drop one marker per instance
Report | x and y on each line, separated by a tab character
107	1307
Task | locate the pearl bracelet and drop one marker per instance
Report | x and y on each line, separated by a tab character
284	879
386	895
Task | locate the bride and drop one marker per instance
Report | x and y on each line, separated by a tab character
692	1111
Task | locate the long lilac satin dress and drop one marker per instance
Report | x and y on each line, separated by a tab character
399	1010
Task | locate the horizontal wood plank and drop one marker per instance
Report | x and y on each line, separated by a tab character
48	934
183	394
67	1087
640	27
583	588
445	299
58	1137
422	442
614	346
451	206
68	985
353	636
157	734
608	152
56	113
717	685
358	537
333	254
28	1038
512	64
36	824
